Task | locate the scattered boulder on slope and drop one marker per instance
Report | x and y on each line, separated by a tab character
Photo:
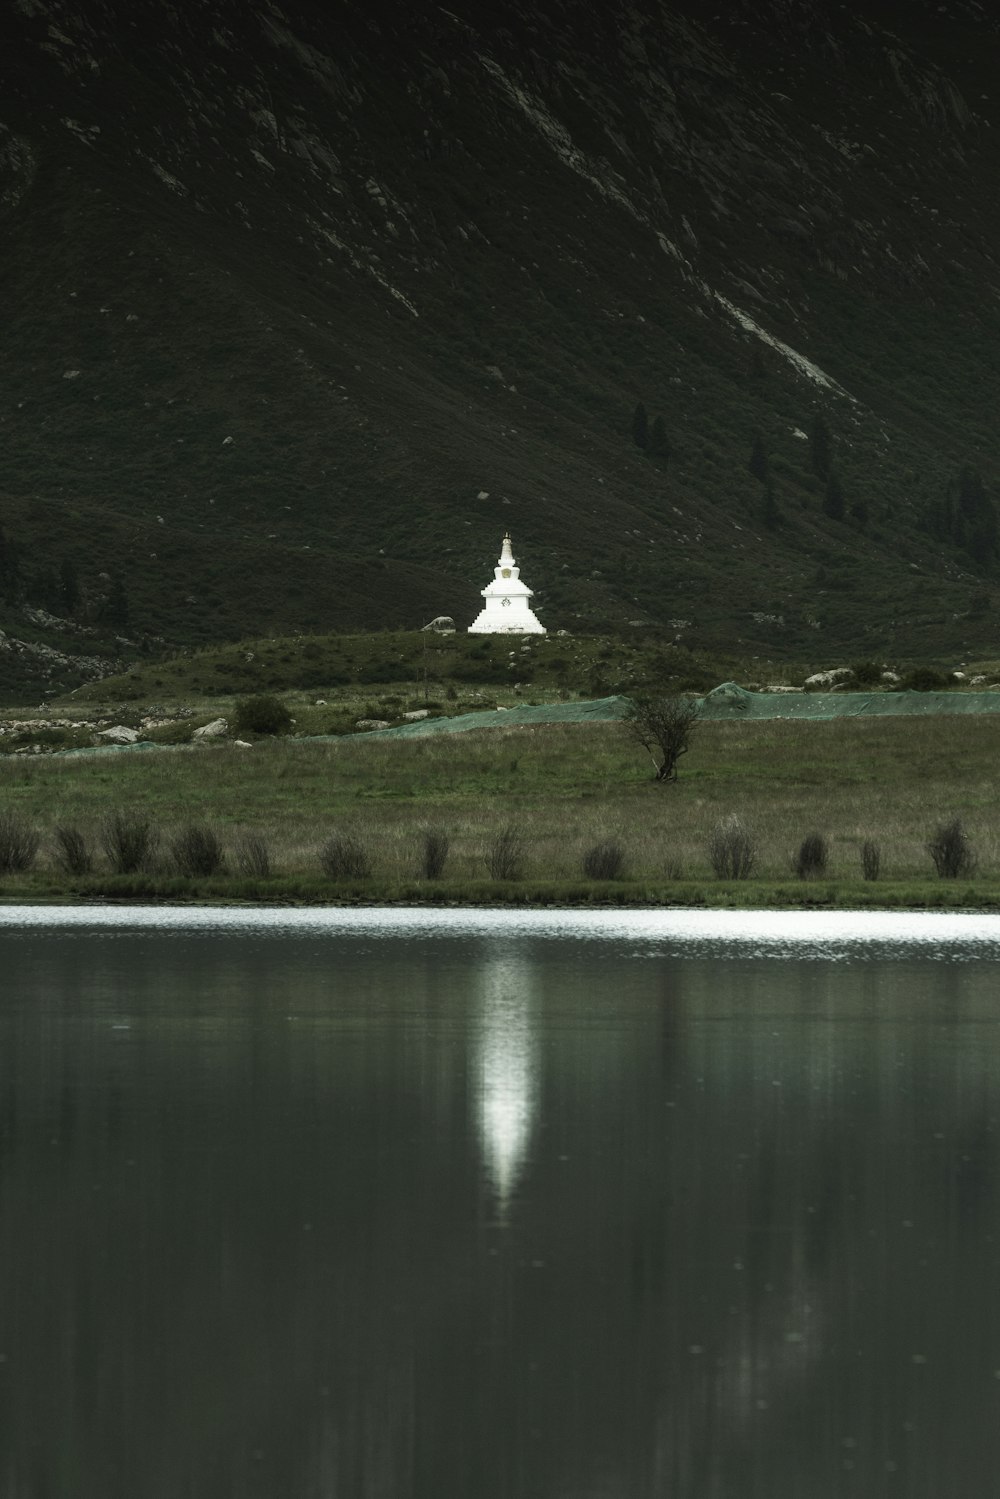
120	734
213	730
829	678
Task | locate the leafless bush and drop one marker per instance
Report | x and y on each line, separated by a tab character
72	850
19	840
605	861
434	848
253	856
871	859
732	849
811	860
951	851
197	849
505	853
344	856
662	724
129	840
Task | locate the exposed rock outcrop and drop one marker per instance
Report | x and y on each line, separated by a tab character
120	734
214	730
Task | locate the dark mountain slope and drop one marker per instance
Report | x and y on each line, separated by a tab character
304	306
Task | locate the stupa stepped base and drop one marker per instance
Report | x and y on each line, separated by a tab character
487	623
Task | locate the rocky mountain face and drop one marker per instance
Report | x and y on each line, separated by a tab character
306	304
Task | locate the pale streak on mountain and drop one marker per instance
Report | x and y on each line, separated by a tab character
559	139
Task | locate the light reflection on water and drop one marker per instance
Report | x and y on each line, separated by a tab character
830	935
506	1067
533	1205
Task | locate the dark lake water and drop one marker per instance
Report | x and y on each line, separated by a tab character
390	1205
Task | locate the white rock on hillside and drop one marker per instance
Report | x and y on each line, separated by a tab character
372	723
118	735
416	715
213	730
828	678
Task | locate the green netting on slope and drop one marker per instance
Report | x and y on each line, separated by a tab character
602	708
726	702
732	702
121	749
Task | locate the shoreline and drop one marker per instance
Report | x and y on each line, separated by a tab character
750	895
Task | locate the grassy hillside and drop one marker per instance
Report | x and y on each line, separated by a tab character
329	681
304	309
356	665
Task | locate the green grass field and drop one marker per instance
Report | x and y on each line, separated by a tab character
564	788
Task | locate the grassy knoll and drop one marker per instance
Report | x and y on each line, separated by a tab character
406	668
412	664
564	788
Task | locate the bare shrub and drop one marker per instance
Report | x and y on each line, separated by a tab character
253	856
732	849
663	725
344	856
197	849
19	840
129	840
505	853
951	850
605	861
72	850
434	847
811	860
871	859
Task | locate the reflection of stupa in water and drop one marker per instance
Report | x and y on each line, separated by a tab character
505	1072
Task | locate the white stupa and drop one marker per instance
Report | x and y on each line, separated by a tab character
507	611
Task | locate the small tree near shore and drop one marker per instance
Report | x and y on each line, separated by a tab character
663	725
